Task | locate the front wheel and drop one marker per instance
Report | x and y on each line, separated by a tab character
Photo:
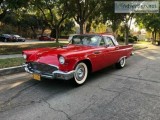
121	63
81	73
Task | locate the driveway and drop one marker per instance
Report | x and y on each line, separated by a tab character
131	93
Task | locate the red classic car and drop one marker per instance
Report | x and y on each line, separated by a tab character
85	53
46	38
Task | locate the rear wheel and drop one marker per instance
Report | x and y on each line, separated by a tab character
121	63
81	73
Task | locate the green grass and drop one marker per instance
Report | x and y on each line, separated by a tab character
17	49
11	62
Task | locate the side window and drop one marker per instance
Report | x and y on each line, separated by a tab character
109	41
76	40
102	43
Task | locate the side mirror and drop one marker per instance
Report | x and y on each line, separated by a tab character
106	46
117	47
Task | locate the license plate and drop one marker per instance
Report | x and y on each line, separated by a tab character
36	77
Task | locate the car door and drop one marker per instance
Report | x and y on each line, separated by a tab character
99	56
112	51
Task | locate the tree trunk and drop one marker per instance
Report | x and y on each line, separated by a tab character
53	33
155	36
84	27
88	27
42	32
57	34
81	27
114	28
152	37
126	34
34	32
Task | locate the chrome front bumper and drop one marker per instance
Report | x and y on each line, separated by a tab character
54	75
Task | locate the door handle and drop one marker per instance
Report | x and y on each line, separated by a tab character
97	52
117	48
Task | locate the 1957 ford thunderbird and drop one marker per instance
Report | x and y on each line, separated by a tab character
84	54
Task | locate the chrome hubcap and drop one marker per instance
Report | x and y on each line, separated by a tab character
80	73
122	62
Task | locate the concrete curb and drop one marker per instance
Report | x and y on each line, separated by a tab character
11	70
140	48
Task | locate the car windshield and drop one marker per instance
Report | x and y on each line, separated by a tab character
89	40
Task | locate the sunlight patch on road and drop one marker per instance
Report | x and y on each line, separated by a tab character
16	84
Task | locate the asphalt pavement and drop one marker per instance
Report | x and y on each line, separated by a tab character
131	93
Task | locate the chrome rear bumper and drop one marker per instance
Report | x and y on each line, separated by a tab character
54	75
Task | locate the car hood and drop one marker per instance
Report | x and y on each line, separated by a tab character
50	55
64	50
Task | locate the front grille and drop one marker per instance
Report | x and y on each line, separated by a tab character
41	68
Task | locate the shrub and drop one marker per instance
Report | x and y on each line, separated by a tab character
135	38
120	38
131	40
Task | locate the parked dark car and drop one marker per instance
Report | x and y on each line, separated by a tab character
5	37
18	38
46	38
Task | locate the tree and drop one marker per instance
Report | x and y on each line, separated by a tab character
115	19
53	12
67	27
81	10
21	21
9	5
151	22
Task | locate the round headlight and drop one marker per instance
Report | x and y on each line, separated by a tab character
61	60
24	56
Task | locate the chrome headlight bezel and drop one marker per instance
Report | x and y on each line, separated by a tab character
61	60
24	56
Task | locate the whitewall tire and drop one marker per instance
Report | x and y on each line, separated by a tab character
121	63
81	73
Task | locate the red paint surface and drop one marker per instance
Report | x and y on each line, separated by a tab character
99	57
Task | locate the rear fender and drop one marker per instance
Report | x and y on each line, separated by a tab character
122	58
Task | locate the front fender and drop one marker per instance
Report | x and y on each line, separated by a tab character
71	62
